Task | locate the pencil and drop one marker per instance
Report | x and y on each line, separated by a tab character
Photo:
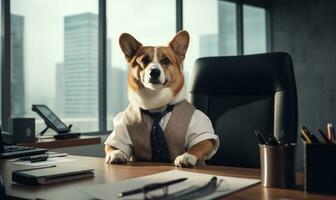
305	135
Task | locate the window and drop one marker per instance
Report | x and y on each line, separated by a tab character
152	22
254	29
208	37
227	28
54	59
213	29
1	37
55	45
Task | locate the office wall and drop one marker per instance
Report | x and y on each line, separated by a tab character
306	29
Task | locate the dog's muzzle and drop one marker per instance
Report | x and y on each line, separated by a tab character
154	76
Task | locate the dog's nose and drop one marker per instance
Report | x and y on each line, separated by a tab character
155	73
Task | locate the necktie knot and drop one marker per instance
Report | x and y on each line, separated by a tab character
157	116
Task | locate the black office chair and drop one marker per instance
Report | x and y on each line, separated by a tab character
242	94
2	189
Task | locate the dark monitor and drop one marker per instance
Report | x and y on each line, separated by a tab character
51	119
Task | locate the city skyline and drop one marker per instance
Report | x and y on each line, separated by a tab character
82	68
116	77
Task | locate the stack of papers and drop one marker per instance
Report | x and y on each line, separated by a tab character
50	161
111	190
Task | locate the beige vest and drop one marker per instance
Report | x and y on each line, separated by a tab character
175	132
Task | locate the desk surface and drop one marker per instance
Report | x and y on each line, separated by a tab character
105	173
51	143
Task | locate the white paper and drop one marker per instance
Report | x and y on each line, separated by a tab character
50	161
111	190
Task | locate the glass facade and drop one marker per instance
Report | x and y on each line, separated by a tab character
227	26
203	35
254	29
212	28
80	68
54	48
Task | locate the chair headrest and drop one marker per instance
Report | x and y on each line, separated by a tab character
239	75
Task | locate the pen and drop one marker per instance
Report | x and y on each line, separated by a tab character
260	137
35	168
57	155
330	133
40	157
151	187
282	138
272	140
324	136
34	158
303	138
305	134
312	138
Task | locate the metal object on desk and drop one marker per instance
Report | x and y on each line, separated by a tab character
277	165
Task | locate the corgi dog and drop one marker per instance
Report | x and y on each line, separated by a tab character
156	81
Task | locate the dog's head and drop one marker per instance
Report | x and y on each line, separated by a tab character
155	76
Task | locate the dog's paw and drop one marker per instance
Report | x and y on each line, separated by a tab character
185	160
116	157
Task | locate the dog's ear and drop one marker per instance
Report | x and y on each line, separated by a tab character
129	45
180	44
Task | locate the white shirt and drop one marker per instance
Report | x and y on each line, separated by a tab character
200	129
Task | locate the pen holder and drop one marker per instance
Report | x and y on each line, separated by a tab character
277	165
320	168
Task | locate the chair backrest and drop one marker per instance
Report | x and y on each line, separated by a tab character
242	94
2	189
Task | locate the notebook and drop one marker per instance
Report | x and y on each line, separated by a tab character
50	174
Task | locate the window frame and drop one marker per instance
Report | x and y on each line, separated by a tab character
240	22
5	64
102	54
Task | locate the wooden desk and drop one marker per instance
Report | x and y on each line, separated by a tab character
105	173
51	143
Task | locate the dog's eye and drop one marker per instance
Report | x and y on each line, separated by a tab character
165	61
145	60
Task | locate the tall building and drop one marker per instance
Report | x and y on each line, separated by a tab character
17	64
227	31
81	65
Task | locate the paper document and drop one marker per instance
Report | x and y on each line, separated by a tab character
111	190
50	161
